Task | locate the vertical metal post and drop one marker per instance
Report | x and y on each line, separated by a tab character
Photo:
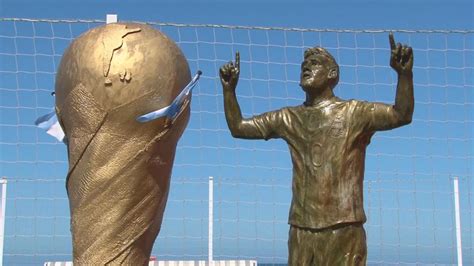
111	18
3	181
458	220
211	219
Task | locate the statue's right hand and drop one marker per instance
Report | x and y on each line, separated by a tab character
229	73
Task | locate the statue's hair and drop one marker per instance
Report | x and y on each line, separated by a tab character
330	59
321	51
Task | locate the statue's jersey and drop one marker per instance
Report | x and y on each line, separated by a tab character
327	143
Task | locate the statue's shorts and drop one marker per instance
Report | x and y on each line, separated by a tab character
338	245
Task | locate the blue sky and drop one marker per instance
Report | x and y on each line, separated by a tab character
421	14
409	170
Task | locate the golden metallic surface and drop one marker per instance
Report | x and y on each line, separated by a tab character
327	138
119	169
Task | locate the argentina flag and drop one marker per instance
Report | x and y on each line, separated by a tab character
49	123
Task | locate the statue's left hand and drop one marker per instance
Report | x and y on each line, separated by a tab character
401	58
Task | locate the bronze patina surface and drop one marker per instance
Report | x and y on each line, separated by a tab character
327	138
119	169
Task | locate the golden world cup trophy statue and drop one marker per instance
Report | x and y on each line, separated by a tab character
122	99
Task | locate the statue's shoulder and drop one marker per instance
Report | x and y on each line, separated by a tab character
349	106
292	110
355	103
286	114
357	107
339	103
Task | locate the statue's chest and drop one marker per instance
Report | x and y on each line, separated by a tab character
319	136
317	124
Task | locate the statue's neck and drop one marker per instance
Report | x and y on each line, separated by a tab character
313	99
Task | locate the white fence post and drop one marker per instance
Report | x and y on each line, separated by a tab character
111	18
211	220
3	181
458	220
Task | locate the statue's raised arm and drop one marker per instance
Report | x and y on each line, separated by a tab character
401	60
239	127
379	116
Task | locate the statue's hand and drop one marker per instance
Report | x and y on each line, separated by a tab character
229	73
401	58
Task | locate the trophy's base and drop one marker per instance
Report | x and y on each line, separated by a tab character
180	263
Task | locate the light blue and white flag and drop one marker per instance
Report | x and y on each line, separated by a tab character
49	122
171	111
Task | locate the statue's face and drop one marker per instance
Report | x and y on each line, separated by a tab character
314	73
